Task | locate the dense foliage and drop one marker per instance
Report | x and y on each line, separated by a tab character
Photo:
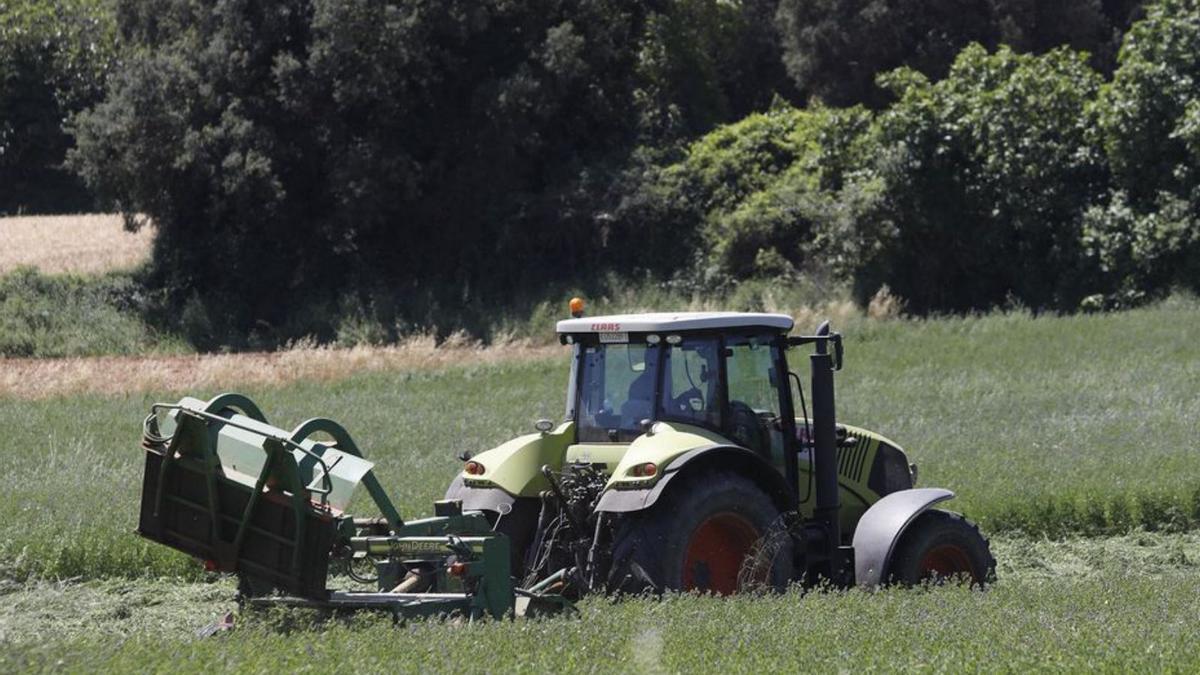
415	164
988	175
835	48
1147	235
1016	178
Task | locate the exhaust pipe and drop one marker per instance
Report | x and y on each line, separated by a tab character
824	425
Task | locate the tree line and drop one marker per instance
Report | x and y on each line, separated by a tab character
303	157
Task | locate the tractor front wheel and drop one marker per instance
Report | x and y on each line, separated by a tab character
940	546
698	537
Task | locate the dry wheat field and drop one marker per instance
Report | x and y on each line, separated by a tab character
78	244
116	375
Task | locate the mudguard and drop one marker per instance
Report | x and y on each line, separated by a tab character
882	526
480	499
626	500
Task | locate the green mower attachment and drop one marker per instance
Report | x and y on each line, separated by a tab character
224	486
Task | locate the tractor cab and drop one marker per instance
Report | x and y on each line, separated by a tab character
716	372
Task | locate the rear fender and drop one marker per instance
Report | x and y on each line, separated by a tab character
729	457
480	499
514	468
882	526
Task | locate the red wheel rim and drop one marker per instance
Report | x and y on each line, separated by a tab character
946	561
715	553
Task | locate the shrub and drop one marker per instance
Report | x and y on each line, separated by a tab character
1146	234
989	173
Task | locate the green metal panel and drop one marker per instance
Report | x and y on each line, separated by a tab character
855	460
240	445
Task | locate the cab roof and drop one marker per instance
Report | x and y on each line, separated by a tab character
665	322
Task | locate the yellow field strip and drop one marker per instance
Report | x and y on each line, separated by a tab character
44	378
81	244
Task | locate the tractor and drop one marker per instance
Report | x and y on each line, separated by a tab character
682	463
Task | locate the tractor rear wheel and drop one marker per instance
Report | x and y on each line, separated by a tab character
697	537
940	545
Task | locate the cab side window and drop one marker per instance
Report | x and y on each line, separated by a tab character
754	406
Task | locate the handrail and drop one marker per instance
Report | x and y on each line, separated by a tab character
326	480
346	444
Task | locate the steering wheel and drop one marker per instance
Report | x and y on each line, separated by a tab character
683	402
746	426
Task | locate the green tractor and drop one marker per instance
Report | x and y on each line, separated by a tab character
682	464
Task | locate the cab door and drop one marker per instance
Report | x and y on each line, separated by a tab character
754	398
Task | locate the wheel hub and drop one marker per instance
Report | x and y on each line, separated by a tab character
715	553
945	561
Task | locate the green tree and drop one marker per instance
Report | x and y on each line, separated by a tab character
426	157
1148	111
704	62
54	57
1146	236
834	48
774	194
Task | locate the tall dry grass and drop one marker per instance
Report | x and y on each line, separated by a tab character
80	244
38	378
44	378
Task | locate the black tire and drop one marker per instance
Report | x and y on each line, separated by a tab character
696	537
939	546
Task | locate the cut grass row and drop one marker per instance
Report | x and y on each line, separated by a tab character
1115	604
1044	425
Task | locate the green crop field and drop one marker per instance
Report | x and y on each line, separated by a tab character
1072	440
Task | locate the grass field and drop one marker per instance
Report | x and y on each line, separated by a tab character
30	378
1049	428
1044	425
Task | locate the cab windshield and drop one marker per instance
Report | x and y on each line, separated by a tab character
617	391
679	379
